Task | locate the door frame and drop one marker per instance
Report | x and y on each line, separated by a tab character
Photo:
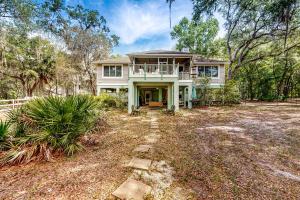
150	96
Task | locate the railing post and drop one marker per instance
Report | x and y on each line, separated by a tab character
13	102
129	70
174	70
161	71
145	70
174	66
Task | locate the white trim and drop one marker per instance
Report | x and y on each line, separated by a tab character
160	56
186	81
217	84
113	87
210	63
112	77
112	84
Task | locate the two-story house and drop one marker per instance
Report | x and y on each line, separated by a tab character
158	78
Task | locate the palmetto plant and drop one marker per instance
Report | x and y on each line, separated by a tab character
51	124
3	130
4	126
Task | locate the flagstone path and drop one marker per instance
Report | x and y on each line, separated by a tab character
149	177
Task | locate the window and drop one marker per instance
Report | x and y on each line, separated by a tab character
214	72
109	90
208	71
112	71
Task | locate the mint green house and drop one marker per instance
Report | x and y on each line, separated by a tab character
158	78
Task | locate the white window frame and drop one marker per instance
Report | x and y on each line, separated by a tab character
112	77
211	65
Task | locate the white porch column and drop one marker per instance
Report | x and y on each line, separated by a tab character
98	90
160	94
137	96
133	67
176	95
170	102
130	96
190	97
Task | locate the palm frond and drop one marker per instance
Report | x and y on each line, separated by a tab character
4	126
50	124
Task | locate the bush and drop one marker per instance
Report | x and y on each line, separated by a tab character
204	93
111	100
229	94
51	124
4	126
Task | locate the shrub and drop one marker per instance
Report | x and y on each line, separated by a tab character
229	94
111	100
204	93
50	124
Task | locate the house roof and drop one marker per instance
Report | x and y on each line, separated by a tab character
160	53
201	60
197	59
118	60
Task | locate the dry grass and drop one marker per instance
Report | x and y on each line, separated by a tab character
93	173
2	115
235	152
242	152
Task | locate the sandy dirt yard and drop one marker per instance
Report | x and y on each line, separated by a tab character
247	151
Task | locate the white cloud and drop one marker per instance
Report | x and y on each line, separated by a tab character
132	21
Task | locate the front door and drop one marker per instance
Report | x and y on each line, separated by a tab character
148	97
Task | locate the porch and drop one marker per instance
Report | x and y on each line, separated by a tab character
159	93
167	67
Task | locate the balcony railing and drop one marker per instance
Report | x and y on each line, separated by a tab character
153	70
184	76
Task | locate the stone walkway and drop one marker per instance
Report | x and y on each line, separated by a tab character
149	178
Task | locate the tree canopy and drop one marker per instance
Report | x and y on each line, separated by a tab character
253	24
30	61
85	34
199	37
73	36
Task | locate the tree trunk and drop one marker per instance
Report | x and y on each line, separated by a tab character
251	89
24	88
56	86
29	92
229	73
92	87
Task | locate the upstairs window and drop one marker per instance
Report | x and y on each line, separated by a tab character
112	71
208	71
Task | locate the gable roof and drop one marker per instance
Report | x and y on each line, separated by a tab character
201	60
118	60
197	59
160	53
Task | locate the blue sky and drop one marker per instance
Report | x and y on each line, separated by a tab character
141	24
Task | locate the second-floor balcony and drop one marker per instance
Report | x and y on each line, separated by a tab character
157	70
153	70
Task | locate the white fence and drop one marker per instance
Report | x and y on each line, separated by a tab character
10	104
